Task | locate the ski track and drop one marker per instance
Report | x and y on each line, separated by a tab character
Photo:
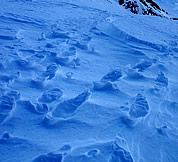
81	82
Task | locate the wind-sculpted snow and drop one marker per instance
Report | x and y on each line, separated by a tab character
88	81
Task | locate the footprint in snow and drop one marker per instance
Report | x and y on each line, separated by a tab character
160	86
7	106
68	107
68	58
161	81
112	76
51	95
50	71
120	151
139	107
142	65
107	82
49	74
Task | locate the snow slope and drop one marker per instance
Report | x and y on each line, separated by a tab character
87	81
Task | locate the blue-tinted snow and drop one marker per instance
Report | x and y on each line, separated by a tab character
87	81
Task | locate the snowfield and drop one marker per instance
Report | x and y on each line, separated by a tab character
87	81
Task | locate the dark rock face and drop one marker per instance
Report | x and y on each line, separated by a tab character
121	2
144	7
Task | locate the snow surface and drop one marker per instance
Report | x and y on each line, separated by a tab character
87	81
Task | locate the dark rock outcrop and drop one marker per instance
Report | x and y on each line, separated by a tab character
144	7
